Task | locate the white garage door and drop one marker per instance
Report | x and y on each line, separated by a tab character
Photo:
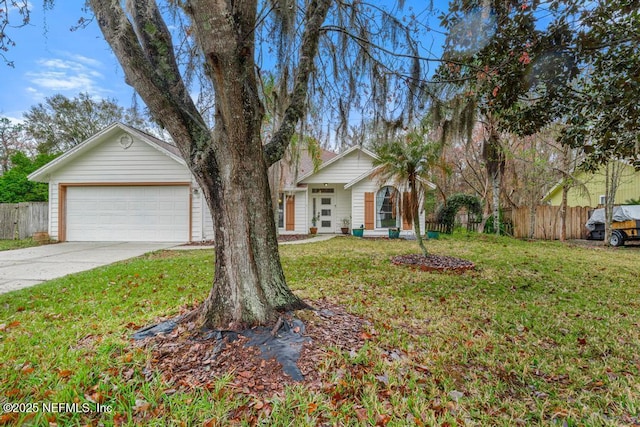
128	213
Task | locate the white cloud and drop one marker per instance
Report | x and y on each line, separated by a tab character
89	62
68	74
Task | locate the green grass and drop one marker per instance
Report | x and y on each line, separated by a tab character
6	245
540	334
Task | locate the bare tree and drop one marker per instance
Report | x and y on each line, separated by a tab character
11	140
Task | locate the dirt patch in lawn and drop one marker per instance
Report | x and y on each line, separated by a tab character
195	360
434	262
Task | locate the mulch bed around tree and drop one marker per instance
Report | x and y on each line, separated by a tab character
185	361
434	262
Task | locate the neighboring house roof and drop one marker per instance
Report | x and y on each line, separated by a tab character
167	148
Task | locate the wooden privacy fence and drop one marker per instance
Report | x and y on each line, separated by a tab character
548	224
22	220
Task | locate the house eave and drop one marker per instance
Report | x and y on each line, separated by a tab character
44	173
335	159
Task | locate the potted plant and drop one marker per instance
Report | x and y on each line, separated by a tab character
313	229
345	225
432	234
358	232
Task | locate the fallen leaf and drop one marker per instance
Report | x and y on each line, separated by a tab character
245	374
8	417
311	408
65	373
141	405
361	413
382	420
211	422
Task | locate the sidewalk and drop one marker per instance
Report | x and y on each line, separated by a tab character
317	238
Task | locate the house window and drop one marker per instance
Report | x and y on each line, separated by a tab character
603	199
280	210
322	190
387	207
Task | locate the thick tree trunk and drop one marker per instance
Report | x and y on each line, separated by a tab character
230	163
275	176
249	284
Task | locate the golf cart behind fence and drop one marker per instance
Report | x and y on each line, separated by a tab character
625	225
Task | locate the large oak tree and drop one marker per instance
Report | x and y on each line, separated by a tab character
324	50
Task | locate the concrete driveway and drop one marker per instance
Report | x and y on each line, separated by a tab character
21	268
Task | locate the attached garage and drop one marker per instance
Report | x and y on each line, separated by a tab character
124	185
126	213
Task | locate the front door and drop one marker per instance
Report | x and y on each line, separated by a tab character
324	212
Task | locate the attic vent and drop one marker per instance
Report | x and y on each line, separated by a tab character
126	141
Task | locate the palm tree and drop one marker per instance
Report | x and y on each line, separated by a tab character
406	161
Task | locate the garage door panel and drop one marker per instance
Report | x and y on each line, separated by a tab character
127	213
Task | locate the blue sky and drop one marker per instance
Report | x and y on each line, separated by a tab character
49	59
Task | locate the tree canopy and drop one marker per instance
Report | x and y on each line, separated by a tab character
11	141
60	123
603	113
14	185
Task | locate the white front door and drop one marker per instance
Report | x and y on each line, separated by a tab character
325	213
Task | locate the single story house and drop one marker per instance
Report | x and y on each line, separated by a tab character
590	188
123	184
343	191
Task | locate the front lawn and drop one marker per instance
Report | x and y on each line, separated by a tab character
6	245
540	334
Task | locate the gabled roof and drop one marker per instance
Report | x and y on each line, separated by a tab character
335	159
304	166
365	175
164	147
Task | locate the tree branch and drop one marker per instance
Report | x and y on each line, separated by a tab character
148	60
315	16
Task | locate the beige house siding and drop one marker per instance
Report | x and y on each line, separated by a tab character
342	170
109	162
